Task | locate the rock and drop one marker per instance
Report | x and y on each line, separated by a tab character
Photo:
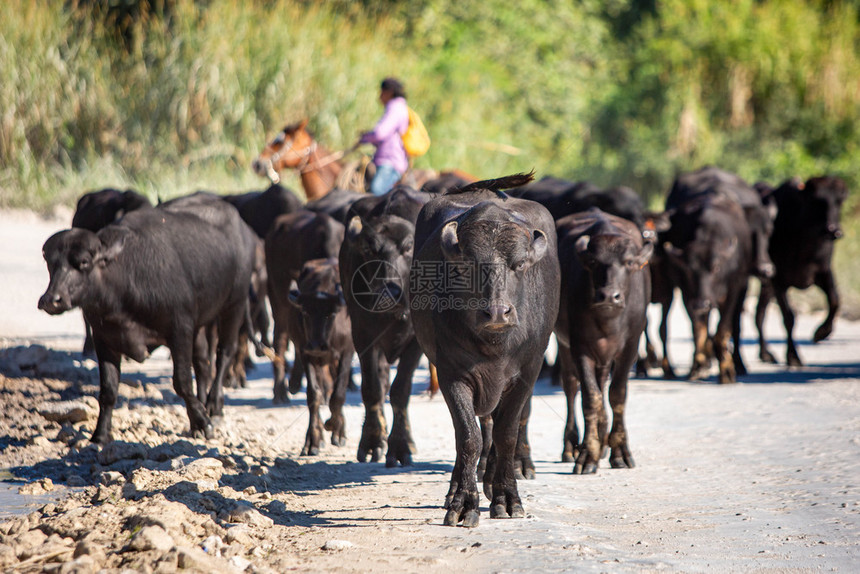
201	468
92	549
120	450
28	542
333	545
38	487
172	450
111	478
39	441
239	534
246	514
213	545
151	538
66	411
7	556
82	565
197	560
74	480
239	563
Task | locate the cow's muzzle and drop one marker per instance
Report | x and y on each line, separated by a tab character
498	316
608	299
54	304
834	231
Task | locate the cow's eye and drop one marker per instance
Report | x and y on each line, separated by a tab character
519	266
85	264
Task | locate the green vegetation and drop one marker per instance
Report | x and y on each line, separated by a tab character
170	96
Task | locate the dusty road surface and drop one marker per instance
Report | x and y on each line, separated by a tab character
760	476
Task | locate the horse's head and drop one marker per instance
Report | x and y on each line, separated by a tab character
290	148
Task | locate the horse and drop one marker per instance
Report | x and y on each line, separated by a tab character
294	147
322	170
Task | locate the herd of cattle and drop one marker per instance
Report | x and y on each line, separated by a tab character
474	275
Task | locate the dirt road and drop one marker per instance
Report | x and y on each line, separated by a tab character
761	476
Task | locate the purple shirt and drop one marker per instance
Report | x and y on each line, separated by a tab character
387	136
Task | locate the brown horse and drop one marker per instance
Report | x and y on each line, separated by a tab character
322	170
294	147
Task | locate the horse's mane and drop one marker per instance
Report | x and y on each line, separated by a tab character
495	185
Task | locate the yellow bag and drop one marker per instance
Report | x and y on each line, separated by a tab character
416	140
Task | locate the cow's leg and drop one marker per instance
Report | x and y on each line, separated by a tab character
826	282
524	466
297	372
668	371
463	499
374	386
792	358
280	339
764	297
486	444
737	310
570	439
701	360
619	454
89	349
202	362
401	447
109	373
650	358
505	500
336	423
593	411
228	330
315	395
181	349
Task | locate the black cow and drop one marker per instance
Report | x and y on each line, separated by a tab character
484	294
709	181
295	239
562	197
157	277
96	209
806	226
709	256
374	267
336	203
605	290
260	209
320	330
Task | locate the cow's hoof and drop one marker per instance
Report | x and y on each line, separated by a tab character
375	454
392	459
338	440
470	518
622	461
207	432
822	333
281	401
529	474
310	451
100	439
585	468
794	361
517	510
568	456
767	357
499	511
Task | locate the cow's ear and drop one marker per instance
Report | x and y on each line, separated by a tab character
644	255
112	244
354	228
449	240
581	244
539	246
294	294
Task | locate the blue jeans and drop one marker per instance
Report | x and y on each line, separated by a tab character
385	178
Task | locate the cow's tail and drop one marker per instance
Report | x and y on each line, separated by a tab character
261	349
